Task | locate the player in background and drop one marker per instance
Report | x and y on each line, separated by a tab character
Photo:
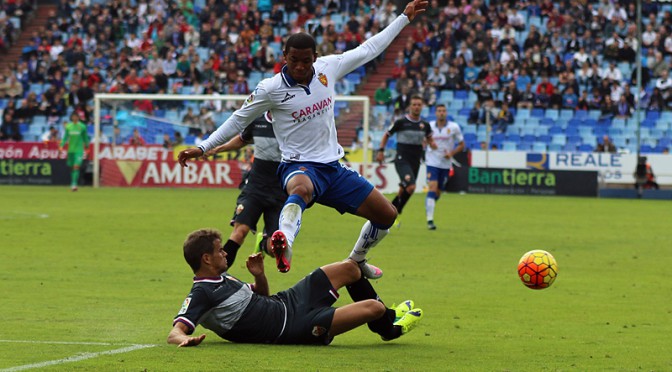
412	134
262	192
77	140
303	314
449	141
301	98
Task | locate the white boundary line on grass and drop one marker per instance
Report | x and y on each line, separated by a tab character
75	358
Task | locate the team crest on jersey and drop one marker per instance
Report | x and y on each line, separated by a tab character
185	306
323	79
249	99
319	331
240	208
422	126
303	169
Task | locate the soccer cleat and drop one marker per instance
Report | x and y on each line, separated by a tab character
73	188
397	223
281	250
257	244
402	309
370	271
409	320
430	225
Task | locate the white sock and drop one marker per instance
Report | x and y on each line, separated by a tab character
368	238
429	208
290	221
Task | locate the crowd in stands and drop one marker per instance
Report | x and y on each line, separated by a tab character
505	62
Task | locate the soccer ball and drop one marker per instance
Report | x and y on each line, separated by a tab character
537	269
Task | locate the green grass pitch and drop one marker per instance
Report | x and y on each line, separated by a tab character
91	281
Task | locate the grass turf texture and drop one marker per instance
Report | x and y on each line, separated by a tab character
106	266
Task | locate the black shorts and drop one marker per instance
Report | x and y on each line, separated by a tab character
251	205
309	311
407	169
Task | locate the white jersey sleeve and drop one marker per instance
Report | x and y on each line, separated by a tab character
256	104
369	50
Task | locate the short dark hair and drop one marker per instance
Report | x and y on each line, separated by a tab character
440	105
197	244
301	40
415	96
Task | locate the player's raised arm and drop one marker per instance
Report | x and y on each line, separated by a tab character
255	265
372	47
255	105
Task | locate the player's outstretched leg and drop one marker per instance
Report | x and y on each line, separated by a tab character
290	224
369	236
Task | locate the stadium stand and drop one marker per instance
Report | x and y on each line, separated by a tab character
565	68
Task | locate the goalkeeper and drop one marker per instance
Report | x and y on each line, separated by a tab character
77	140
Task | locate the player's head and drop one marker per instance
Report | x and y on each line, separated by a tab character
205	246
441	112
300	54
74	117
415	106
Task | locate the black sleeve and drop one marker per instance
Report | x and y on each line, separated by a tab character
247	135
394	127
428	129
194	306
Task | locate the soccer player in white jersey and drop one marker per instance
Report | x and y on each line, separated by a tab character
301	99
449	141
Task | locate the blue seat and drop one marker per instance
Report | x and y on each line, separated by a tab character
547	121
574	139
647	123
555	147
555	130
461	94
585	147
539	147
559	139
546	139
513	137
525	146
464	112
581	115
509	146
652	115
646	149
537	113
552	114
523	114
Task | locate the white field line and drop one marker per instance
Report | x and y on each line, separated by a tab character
75	358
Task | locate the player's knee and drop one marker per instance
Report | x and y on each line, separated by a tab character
302	191
239	232
375	308
351	270
410	189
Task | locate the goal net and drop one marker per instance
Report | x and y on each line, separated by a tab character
137	137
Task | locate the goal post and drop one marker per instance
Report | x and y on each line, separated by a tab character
113	100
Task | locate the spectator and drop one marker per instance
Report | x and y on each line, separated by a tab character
437	79
664	84
623	108
606	145
383	95
51	136
136	139
504	119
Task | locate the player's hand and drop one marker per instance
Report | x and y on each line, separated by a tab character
255	264
188	154
380	156
415	7
192	341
